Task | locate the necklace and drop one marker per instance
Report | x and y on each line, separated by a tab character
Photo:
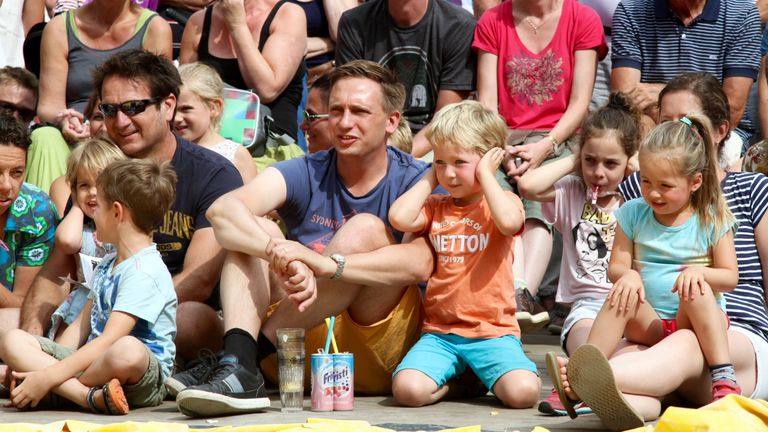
534	26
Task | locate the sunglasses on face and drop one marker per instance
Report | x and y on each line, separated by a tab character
129	108
25	114
311	118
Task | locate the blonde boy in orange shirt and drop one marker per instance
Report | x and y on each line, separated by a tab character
470	297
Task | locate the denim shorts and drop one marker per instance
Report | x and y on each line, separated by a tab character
444	356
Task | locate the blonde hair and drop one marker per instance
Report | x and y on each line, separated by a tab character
689	148
402	138
93	155
467	124
206	83
147	187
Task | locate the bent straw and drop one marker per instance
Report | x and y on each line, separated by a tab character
330	323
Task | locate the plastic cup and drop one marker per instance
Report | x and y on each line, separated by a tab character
290	365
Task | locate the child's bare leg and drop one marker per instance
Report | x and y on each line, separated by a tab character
640	324
708	322
578	334
414	388
518	388
22	352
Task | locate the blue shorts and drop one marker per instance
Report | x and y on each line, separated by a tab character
442	357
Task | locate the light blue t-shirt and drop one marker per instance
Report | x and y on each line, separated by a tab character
662	252
141	286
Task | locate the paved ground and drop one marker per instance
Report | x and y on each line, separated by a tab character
382	411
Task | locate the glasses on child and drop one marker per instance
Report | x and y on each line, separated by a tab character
311	118
129	108
25	114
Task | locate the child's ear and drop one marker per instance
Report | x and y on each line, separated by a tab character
217	107
118	210
696	181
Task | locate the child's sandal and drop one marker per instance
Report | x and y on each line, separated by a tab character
554	373
115	402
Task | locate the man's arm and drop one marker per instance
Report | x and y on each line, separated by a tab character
737	89
232	215
46	293
202	267
22	279
645	96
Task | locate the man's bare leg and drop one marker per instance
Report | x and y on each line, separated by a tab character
198	327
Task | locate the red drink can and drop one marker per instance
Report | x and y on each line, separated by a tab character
344	379
322	382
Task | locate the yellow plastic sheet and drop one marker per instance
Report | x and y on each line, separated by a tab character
312	425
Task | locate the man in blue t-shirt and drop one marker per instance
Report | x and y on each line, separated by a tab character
138	92
333	203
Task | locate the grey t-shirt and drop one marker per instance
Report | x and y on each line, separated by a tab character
435	54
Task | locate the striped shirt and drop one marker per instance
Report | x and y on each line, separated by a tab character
724	40
747	196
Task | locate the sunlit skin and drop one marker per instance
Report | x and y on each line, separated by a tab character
85	191
136	136
318	132
455	168
104	218
603	164
193	116
13	163
357	118
666	190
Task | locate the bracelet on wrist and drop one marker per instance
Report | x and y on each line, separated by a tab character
556	148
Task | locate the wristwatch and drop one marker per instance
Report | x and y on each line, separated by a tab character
340	263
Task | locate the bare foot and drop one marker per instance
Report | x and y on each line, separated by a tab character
562	363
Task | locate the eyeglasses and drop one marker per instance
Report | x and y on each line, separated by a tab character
26	114
311	118
129	108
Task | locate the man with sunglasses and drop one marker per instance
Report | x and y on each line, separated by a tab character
315	125
138	92
18	93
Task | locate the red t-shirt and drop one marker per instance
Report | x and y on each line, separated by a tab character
534	88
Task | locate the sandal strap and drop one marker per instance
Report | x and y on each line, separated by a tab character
105	394
89	398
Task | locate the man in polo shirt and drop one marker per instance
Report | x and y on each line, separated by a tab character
656	40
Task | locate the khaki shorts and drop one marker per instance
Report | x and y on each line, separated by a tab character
149	391
378	348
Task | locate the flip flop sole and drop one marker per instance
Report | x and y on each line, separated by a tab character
591	377
114	397
554	373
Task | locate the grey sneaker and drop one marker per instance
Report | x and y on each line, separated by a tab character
230	389
197	372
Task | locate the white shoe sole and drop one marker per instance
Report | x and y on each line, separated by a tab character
197	403
528	322
174	386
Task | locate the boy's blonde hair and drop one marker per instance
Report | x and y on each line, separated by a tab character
469	125
690	150
206	83
402	138
147	187
93	155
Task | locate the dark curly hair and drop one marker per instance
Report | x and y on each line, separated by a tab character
156	71
13	133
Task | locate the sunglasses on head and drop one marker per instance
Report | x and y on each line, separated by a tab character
26	114
129	108
311	118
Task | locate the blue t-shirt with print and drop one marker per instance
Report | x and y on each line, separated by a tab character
318	203
29	232
661	252
141	286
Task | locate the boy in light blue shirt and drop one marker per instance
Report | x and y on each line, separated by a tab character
119	350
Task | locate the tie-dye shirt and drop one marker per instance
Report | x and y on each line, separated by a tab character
29	232
661	252
141	286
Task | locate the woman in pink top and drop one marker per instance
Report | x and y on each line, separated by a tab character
536	67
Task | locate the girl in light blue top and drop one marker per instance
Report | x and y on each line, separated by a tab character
673	252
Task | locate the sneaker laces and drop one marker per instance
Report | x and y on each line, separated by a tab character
223	369
204	363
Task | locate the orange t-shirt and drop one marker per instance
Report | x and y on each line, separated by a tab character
472	291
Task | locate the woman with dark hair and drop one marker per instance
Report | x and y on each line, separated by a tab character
28	219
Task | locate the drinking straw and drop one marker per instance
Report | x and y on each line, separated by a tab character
330	323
